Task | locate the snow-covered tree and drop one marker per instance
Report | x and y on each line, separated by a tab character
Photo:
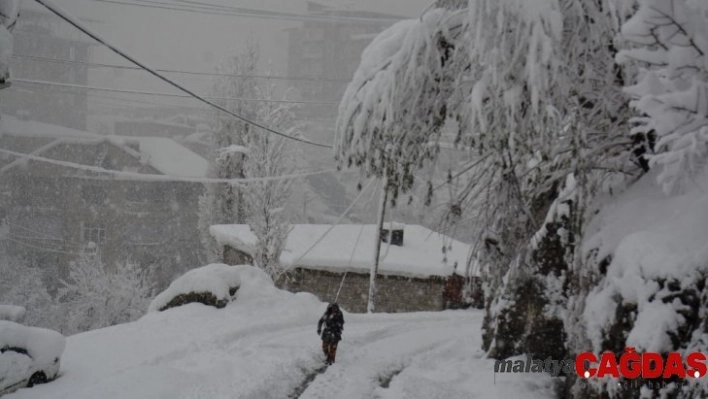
537	97
241	150
25	286
669	43
223	203
96	296
269	156
662	308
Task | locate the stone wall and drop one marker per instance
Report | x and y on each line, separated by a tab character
394	293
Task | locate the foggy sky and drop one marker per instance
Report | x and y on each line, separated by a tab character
193	41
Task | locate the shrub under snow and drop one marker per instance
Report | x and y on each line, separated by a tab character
96	295
654	296
215	285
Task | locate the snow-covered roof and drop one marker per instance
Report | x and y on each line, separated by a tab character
420	256
164	154
170	157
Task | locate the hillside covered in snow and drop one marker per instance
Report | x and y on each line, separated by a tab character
264	345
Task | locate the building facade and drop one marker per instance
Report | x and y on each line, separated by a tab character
324	55
53	213
413	277
41	42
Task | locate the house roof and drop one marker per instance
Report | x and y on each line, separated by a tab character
351	248
163	154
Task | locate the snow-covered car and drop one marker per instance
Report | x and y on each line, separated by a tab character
28	355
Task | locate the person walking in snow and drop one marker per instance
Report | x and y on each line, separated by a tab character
333	321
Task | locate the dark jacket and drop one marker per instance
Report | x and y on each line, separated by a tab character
333	321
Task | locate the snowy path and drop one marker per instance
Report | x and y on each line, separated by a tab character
266	351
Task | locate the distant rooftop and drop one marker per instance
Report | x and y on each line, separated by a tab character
163	154
350	248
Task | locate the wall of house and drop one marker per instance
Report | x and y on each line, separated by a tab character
151	223
394	293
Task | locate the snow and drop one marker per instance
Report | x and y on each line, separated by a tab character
163	154
12	313
651	237
171	158
41	344
264	345
14	368
234	149
670	43
216	278
9	11
420	256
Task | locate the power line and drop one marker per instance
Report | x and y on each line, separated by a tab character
339	220
214	74
174	95
59	91
214	9
49	4
122	175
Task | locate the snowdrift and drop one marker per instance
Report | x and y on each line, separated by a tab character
214	285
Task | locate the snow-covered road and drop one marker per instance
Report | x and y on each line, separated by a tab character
268	348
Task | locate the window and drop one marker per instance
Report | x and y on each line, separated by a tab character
91	232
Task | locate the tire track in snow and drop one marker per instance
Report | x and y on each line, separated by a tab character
370	336
376	361
306	382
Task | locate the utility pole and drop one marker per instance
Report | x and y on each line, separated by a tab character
377	248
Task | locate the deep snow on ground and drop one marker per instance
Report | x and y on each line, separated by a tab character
265	345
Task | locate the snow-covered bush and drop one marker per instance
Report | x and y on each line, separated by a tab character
96	296
528	313
214	285
654	296
669	42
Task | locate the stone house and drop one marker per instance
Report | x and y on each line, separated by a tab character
52	212
419	271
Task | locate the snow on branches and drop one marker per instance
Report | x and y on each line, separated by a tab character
670	44
265	201
97	296
396	102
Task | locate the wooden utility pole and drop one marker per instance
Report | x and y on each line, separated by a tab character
377	248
